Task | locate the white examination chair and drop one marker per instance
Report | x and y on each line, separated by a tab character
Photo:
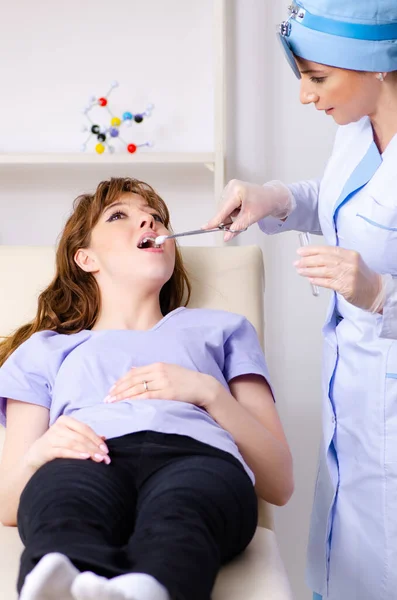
223	278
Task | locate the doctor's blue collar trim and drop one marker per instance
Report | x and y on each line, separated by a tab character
357	31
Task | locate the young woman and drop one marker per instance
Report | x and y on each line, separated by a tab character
136	427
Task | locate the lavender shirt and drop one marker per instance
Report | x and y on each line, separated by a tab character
72	374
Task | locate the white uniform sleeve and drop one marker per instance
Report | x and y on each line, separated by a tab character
389	317
305	215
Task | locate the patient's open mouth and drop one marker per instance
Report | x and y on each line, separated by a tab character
148	242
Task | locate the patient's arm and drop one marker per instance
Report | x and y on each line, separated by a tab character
250	415
30	443
25	424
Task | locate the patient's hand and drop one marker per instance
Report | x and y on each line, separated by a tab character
67	438
166	382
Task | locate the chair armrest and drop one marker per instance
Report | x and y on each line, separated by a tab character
10	551
265	515
257	574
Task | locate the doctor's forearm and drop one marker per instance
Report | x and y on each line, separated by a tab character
304	217
268	457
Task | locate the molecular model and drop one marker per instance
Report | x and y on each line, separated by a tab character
104	134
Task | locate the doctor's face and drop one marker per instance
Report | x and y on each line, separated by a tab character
345	95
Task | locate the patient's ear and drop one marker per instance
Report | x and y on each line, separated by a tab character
85	259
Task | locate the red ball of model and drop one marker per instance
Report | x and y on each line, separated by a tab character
131	148
102	101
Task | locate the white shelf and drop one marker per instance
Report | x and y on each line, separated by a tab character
68	159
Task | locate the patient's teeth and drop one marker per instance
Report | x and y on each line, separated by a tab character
149	242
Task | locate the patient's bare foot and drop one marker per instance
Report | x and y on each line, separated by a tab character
51	579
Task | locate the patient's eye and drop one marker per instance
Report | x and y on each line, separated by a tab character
116	216
158	218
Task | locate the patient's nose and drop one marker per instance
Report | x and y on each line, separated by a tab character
146	221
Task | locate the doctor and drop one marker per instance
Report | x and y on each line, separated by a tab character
345	53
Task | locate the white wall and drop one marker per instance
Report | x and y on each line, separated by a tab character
161	51
56	55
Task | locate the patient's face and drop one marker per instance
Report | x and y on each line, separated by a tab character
116	243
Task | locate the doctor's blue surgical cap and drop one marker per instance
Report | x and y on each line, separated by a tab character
360	35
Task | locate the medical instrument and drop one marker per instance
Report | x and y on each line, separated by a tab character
304	239
221	227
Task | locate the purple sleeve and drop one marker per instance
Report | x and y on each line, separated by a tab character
25	375
243	353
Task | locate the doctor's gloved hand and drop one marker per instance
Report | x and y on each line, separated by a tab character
345	272
246	203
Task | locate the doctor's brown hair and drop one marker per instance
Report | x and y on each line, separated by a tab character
71	302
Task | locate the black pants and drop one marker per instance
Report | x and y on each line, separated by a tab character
167	505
